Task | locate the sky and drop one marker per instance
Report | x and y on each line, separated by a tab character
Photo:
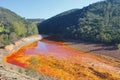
43	8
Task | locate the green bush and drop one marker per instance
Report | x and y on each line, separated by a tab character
118	46
20	70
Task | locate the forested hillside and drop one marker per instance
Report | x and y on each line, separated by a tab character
37	21
13	27
98	22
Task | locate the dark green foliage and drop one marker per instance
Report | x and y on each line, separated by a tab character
98	22
13	27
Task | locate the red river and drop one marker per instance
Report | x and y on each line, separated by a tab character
57	59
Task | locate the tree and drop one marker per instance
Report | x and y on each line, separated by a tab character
19	28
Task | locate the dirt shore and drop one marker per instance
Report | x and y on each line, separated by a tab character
18	44
103	50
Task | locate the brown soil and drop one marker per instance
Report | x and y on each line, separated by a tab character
99	49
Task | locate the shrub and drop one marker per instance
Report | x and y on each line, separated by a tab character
118	46
20	70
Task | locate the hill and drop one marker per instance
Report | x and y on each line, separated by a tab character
98	22
14	27
37	21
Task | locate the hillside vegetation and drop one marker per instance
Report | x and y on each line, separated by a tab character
98	22
36	20
14	27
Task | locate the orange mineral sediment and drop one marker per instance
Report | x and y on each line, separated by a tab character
57	60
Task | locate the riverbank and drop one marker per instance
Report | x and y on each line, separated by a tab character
107	51
24	41
13	72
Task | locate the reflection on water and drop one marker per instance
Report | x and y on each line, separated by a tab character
48	49
42	46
